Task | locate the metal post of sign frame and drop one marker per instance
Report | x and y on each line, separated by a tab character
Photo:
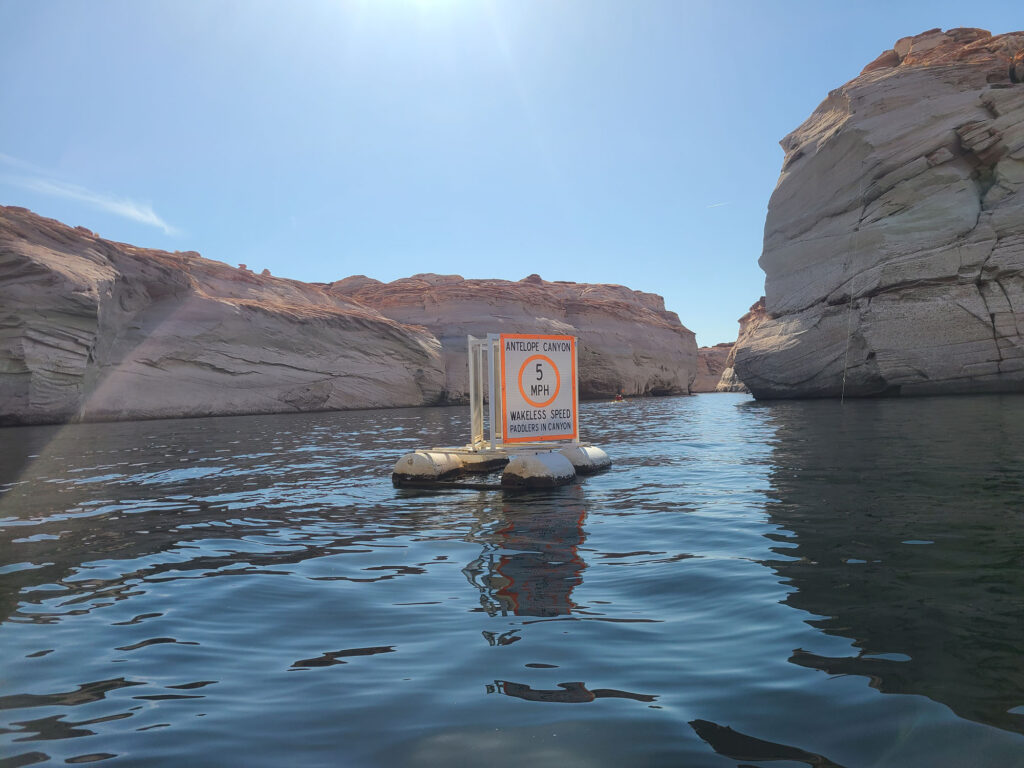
476	396
484	364
497	413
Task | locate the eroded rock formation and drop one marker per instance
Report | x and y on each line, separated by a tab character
628	342
93	330
894	241
711	361
729	381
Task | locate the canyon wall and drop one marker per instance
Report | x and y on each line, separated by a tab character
749	323
894	241
96	330
628	342
711	362
92	329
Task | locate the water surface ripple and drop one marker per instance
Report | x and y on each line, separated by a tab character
750	584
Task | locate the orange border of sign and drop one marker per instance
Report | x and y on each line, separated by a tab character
504	390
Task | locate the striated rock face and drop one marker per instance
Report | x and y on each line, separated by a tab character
628	342
749	323
95	330
92	330
894	241
711	361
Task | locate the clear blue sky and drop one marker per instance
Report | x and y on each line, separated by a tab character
631	142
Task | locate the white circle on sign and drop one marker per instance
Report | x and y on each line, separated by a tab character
541	366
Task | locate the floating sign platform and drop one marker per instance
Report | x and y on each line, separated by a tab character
532	419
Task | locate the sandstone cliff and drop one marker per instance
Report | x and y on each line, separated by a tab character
894	241
93	330
749	323
628	342
711	361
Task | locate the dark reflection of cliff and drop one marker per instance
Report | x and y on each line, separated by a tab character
907	522
565	693
739	746
530	563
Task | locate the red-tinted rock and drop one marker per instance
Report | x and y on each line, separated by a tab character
628	342
711	361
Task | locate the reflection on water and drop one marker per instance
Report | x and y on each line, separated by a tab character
905	533
337	657
739	746
565	693
530	562
253	591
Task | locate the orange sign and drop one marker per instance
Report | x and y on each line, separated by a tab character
538	388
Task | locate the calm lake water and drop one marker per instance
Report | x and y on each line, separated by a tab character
761	584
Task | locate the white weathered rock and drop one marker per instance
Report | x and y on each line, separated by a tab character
729	381
894	241
93	330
